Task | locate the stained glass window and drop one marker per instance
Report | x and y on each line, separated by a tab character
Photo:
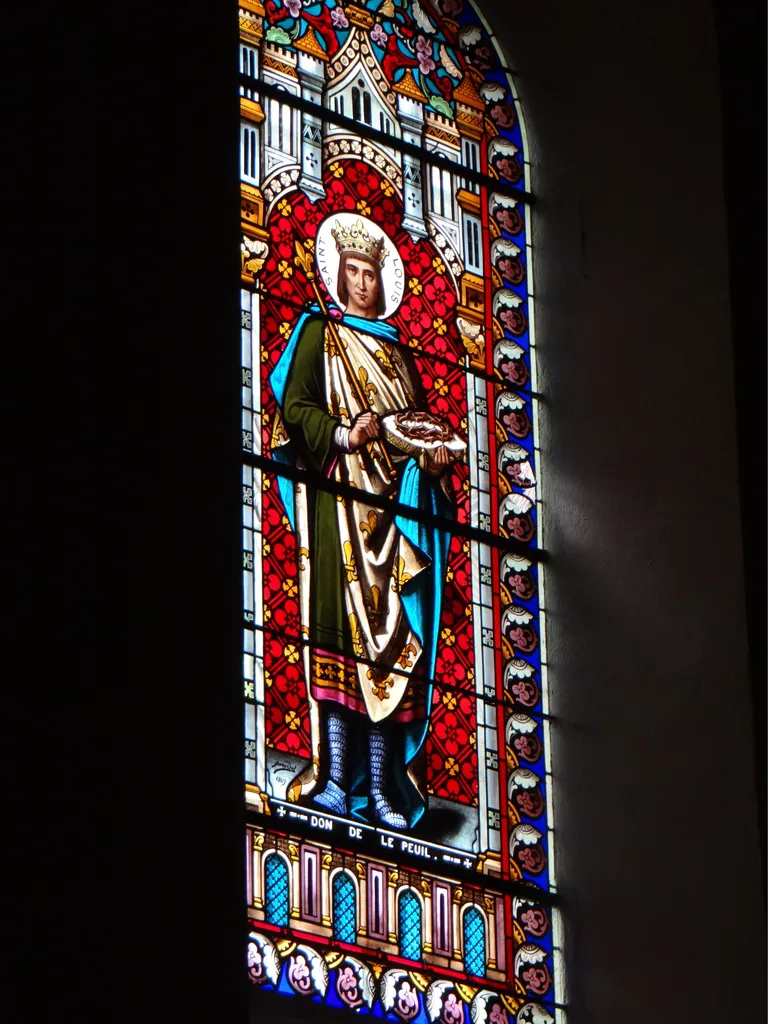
474	942
409	925
344	908
276	890
394	660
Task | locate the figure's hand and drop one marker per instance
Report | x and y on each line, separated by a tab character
439	460
365	428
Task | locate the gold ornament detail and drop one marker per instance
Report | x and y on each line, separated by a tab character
467	992
253	255
356	241
359	17
421	981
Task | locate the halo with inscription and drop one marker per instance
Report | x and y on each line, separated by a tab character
327	257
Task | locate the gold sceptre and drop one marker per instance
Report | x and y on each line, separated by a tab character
304	260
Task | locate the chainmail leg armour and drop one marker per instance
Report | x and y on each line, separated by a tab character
334	798
379	759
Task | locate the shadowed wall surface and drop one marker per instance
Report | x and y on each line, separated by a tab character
649	675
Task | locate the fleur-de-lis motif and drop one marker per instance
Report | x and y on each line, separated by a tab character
349	562
369	389
407	653
302	258
333	342
329	343
367	528
279	433
379	687
357	636
374	607
399	575
336	409
389	359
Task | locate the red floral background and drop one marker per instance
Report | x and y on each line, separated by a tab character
426	323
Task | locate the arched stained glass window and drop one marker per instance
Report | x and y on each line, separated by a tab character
474	942
393	663
409	925
276	890
344	910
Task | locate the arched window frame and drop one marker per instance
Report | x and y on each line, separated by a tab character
443	205
346	873
279	856
475	908
411	891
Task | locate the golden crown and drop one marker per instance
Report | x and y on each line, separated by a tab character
355	239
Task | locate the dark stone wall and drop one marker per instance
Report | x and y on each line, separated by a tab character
655	798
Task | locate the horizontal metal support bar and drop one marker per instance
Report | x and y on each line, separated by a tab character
511	706
466	369
451	526
367	133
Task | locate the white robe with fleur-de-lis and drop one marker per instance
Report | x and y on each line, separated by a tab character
378	559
